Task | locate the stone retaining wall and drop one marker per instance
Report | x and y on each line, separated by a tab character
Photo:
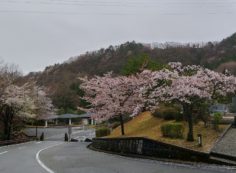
147	147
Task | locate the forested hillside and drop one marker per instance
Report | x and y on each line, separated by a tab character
62	79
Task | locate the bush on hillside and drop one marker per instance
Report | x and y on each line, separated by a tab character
168	112
103	131
216	120
172	130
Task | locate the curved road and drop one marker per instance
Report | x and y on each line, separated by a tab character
76	158
21	158
60	157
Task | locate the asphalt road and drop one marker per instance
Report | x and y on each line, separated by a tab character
76	158
22	158
64	157
58	133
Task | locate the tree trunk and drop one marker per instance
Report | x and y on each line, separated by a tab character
5	130
122	125
187	110
9	131
8	115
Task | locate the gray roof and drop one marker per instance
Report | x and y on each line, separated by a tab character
86	115
70	116
49	117
65	116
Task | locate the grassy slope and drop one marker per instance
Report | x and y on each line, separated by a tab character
145	125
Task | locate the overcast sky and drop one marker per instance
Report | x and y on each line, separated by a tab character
37	33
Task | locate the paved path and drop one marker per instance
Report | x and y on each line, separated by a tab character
227	145
22	158
76	158
64	157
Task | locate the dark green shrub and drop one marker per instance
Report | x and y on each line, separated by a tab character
178	116
168	112
42	137
172	130
1	136
66	137
216	120
103	131
233	105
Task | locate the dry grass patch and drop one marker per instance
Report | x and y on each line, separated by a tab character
145	125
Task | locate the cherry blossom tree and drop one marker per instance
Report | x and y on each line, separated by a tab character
42	104
113	96
24	101
186	85
13	101
20	101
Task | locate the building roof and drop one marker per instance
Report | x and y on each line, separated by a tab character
219	108
71	116
49	117
65	116
85	115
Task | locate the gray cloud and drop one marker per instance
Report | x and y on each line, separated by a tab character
37	33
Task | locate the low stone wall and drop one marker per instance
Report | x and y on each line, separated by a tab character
147	147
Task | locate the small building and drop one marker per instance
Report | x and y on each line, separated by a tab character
49	118
84	118
221	108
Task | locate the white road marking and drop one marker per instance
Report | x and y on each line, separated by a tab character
38	142
41	163
3	152
21	147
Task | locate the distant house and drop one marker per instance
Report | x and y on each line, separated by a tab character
221	108
233	105
86	118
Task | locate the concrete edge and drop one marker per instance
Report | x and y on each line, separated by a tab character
221	137
179	162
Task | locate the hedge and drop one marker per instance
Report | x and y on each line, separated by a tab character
103	131
172	130
168	112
